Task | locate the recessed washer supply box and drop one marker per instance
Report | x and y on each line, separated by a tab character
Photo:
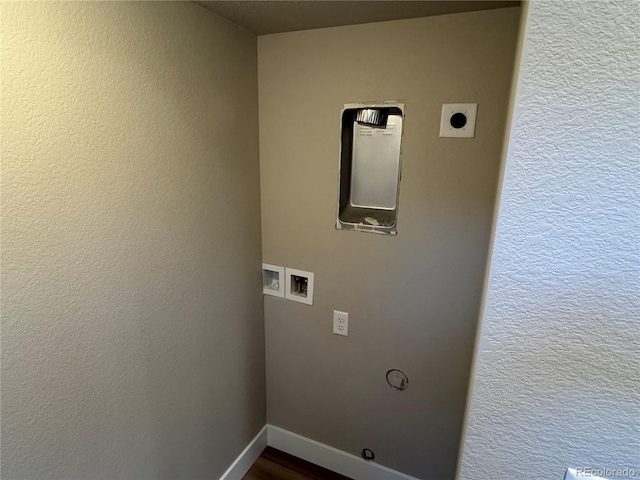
371	146
273	280
299	286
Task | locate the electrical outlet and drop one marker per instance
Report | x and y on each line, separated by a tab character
341	323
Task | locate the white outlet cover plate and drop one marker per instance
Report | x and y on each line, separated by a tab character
270	289
290	295
470	110
341	323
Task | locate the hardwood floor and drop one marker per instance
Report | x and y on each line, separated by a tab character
276	465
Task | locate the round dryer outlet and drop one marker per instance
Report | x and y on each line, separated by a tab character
458	120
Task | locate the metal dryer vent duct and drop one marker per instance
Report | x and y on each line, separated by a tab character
372	117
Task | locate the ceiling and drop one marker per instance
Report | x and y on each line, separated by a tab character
267	16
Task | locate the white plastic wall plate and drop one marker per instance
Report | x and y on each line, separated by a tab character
458	120
296	290
341	323
273	280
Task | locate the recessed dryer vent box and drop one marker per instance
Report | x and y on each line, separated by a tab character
371	142
273	281
299	287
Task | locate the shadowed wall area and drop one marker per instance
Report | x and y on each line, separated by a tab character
132	318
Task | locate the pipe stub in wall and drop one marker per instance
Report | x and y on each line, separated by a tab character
397	379
368	454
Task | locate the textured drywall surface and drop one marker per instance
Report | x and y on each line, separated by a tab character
132	318
557	377
414	298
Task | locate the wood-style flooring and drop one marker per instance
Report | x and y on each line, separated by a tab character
276	465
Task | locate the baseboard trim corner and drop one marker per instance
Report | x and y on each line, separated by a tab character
329	457
249	455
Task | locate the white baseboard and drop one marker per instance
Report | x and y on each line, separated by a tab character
250	454
329	457
311	451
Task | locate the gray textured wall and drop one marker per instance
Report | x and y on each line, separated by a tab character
558	365
413	298
132	320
